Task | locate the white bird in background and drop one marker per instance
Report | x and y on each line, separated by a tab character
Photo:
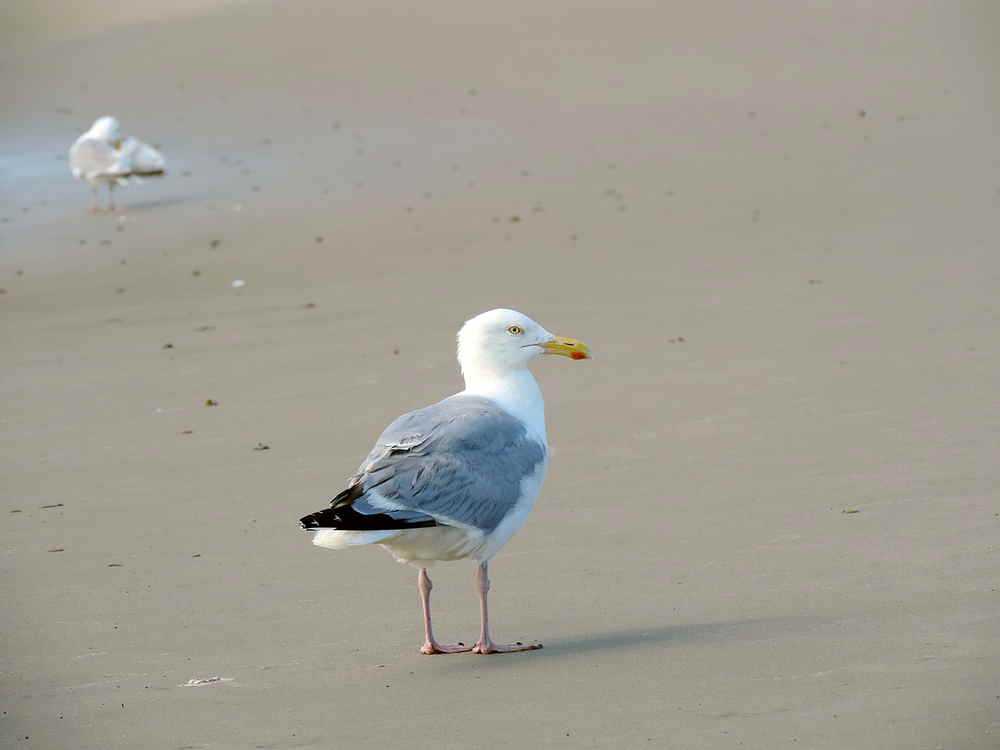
457	479
104	155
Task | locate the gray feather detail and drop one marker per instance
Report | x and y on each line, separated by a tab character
459	460
364	506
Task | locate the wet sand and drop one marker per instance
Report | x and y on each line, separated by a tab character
772	515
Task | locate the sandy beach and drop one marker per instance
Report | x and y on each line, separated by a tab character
772	514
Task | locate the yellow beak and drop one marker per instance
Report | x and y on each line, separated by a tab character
117	144
572	348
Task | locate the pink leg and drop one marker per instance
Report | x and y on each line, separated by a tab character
485	644
430	645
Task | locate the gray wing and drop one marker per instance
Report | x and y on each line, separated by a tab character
461	460
92	158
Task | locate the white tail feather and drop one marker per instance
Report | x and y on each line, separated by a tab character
337	539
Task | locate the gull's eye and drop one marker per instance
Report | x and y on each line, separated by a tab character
515	330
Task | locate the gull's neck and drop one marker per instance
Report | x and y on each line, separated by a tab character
516	391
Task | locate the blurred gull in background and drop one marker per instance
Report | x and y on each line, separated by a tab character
103	155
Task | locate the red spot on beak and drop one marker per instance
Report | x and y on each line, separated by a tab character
577	355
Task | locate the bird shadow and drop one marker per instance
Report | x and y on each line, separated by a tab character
663	636
738	630
125	207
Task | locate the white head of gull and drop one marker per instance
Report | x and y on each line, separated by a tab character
458	478
106	129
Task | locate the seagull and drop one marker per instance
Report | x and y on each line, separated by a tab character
103	155
457	479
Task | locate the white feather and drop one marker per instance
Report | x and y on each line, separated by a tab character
336	539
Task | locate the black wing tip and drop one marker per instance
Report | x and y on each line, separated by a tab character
321	519
345	518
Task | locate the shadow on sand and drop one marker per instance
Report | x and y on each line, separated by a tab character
742	630
126	206
658	637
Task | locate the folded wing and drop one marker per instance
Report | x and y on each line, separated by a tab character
459	462
142	159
